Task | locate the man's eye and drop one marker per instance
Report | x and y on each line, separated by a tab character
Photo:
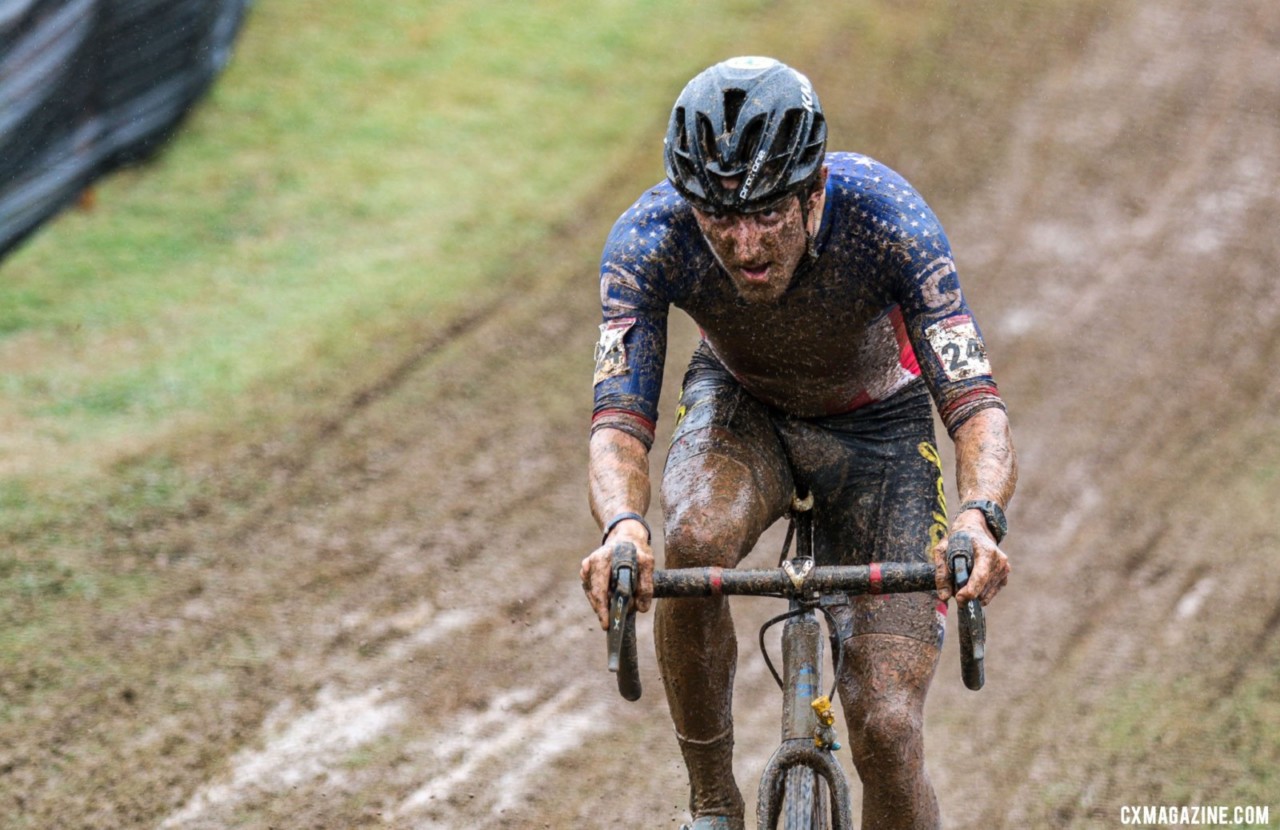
770	215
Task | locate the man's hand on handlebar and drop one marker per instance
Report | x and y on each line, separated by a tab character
990	566
596	569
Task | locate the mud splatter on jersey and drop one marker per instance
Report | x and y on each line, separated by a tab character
879	306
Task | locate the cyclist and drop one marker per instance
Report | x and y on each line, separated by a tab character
830	311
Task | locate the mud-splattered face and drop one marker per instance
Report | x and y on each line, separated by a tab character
760	251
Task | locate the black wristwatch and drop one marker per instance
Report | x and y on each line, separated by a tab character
996	522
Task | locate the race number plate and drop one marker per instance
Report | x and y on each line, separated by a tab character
611	352
959	348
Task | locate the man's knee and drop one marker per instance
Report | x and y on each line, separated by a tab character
697	538
888	732
714	510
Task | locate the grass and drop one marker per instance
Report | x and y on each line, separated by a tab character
1221	753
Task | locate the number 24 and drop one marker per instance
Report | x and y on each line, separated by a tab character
959	358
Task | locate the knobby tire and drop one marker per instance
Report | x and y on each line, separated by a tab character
806	802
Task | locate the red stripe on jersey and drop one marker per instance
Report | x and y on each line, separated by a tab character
862	399
624	412
906	354
968	397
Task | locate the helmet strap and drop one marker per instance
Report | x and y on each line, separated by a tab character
810	239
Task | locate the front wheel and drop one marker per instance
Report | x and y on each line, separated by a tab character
806	802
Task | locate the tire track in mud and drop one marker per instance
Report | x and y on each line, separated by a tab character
446	538
546	729
506	744
297	751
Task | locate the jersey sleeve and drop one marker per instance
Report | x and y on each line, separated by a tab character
633	331
943	330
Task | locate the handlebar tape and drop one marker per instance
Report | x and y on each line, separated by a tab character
623	658
972	621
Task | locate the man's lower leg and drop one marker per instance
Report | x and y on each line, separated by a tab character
884	684
697	654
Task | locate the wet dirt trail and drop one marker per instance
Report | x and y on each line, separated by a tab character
395	636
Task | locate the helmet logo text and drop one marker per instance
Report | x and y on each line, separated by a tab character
806	92
752	173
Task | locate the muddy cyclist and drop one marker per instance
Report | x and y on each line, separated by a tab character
831	315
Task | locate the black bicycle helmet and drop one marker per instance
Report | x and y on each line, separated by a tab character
754	120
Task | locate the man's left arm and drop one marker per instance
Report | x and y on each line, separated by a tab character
952	357
986	470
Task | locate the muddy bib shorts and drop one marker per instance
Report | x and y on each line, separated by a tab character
875	475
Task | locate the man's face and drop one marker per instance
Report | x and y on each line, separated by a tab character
760	251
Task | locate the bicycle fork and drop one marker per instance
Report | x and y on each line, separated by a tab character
801	728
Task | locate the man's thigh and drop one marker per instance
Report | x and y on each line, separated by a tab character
892	641
726	478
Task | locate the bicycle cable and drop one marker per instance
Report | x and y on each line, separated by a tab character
837	650
764	651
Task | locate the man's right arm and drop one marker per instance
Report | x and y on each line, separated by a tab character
618	470
635	295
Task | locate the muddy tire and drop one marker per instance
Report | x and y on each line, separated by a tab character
806	803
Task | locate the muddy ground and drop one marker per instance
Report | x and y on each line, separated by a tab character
389	631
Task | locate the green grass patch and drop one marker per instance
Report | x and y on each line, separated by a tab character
1157	730
357	168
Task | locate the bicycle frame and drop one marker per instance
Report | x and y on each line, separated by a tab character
802	685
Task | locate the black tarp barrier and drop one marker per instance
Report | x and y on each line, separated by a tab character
89	85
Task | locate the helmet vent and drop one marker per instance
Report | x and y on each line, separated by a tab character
752	135
706	137
790	132
733	101
817	136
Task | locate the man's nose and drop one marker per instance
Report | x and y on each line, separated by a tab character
744	230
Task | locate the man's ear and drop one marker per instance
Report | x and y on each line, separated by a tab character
818	187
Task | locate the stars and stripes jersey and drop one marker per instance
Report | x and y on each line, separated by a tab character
878	307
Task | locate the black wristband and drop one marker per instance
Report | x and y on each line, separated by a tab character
621	517
996	522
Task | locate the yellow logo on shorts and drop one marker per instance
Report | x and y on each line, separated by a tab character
681	411
937	530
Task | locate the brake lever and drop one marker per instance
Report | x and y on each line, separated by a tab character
972	621
624	569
